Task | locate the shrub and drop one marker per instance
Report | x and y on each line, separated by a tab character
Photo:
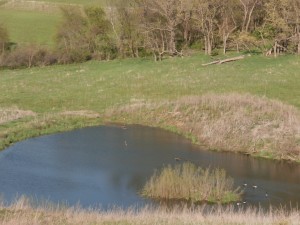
27	56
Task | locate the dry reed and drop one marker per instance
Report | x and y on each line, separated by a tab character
23	213
230	122
189	182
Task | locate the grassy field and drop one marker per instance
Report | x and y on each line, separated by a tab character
101	85
26	27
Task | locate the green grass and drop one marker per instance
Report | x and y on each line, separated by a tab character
100	85
191	183
26	27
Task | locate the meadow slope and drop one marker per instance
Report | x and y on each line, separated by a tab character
64	97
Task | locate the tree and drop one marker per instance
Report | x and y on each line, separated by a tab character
125	19
205	14
98	33
295	23
227	22
71	38
248	7
84	34
278	13
161	20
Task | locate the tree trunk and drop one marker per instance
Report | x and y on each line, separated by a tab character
224	44
208	45
205	47
275	49
298	52
172	42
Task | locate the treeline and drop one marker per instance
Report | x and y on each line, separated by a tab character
163	28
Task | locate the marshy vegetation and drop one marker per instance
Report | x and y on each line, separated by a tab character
230	122
191	183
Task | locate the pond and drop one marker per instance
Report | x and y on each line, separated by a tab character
107	166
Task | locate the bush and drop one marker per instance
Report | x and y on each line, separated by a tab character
27	56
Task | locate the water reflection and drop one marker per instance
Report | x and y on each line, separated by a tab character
109	165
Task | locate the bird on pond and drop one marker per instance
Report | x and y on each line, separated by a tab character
266	195
177	159
244	202
254	186
125	143
245	184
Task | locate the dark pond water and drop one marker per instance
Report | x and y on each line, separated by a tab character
107	166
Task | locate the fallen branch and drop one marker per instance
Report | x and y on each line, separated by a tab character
225	60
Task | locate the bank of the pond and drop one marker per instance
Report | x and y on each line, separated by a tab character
21	212
17	125
229	122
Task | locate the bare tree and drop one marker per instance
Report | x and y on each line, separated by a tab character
161	21
227	22
205	13
248	8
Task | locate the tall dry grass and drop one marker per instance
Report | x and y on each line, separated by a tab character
231	122
188	182
10	114
21	212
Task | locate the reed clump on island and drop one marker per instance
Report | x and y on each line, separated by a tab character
191	183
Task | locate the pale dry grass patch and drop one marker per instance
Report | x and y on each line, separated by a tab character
10	114
81	113
25	214
231	122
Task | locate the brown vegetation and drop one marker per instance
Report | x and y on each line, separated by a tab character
231	122
191	183
21	212
27	56
10	114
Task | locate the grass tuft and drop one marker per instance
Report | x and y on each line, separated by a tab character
191	183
